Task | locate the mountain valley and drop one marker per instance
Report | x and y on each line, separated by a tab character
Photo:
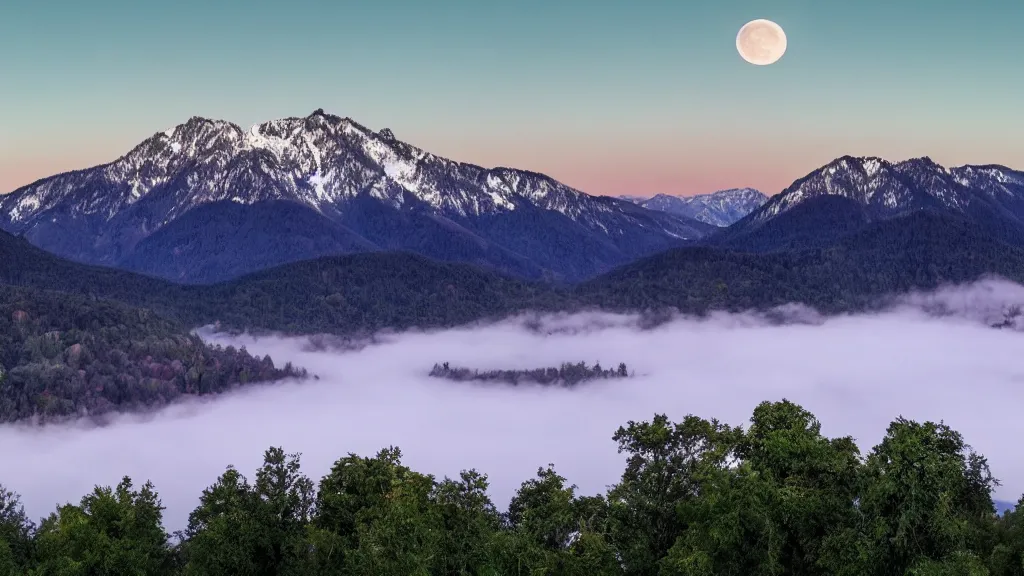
320	226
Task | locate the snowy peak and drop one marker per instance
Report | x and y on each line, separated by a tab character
318	161
633	199
196	138
720	208
322	162
892	188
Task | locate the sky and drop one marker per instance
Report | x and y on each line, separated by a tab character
609	96
856	374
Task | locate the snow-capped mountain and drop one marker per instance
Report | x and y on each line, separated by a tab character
857	191
633	199
303	187
894	188
720	208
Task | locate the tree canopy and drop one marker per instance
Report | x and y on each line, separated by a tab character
696	498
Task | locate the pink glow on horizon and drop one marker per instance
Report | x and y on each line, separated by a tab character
640	162
16	172
595	177
598	174
631	165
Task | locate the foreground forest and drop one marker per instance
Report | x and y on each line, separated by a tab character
696	498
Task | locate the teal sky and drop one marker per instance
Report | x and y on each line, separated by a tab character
610	96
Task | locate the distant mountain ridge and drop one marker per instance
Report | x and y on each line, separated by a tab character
299	188
848	193
865	269
721	208
895	188
207	201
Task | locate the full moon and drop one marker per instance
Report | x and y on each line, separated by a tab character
761	42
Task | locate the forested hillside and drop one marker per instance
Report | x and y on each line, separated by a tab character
338	294
696	498
371	291
64	354
367	292
921	251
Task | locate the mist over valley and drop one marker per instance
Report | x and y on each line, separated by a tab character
934	356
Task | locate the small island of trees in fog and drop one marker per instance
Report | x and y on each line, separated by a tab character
568	374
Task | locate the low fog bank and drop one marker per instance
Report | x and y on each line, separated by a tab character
930	357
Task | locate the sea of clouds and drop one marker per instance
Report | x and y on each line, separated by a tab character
930	357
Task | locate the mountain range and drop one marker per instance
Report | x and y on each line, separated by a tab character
208	201
721	208
848	194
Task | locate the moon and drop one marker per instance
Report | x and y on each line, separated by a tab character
761	42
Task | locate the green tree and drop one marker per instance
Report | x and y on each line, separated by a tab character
926	503
696	498
17	535
242	529
662	472
814	480
110	533
1007	558
381	513
772	511
468	521
543	510
552	532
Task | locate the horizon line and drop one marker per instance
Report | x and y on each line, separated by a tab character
322	112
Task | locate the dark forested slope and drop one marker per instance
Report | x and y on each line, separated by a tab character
22	264
336	294
366	292
921	251
361	292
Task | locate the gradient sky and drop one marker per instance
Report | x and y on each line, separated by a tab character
610	96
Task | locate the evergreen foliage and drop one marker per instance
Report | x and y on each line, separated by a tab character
696	498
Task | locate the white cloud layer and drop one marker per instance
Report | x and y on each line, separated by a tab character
855	373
